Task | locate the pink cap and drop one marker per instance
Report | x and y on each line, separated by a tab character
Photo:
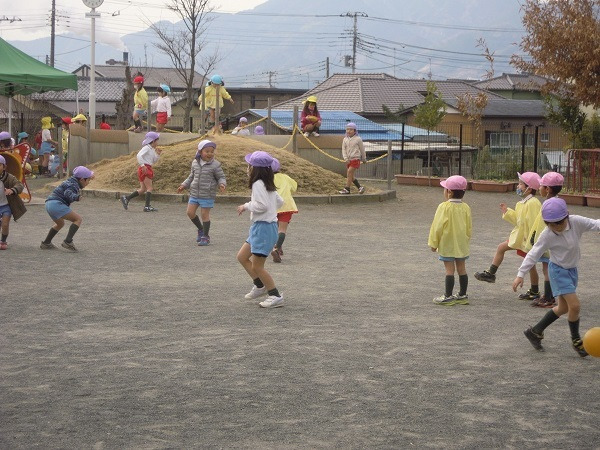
531	179
552	179
454	183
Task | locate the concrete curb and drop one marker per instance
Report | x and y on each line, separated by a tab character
237	199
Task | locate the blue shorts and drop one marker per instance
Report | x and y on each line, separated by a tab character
46	147
262	238
562	281
5	211
452	258
544	259
202	202
141	112
57	209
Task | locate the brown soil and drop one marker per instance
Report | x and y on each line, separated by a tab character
174	166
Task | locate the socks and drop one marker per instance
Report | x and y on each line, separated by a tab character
356	183
493	269
72	230
535	289
206	227
196	221
548	290
133	195
4	236
574	327
138	123
258	283
449	285
280	239
274	292
148	196
50	236
546	321
463	281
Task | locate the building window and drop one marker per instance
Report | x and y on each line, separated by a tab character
545	137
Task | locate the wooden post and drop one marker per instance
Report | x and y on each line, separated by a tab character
269	116
389	166
202	110
294	125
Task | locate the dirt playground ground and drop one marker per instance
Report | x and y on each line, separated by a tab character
144	340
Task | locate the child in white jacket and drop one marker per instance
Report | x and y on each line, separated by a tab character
353	152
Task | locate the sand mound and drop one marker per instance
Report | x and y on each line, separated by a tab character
173	167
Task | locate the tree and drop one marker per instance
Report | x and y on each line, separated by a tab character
185	44
124	107
430	113
562	44
565	113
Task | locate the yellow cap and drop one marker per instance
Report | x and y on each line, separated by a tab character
47	123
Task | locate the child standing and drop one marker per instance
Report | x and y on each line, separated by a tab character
140	103
522	217
58	207
162	107
550	185
561	237
286	186
449	235
10	202
353	152
263	206
241	129
146	158
205	176
310	119
210	100
47	145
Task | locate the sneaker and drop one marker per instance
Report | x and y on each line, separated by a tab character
361	190
485	276
578	347
538	302
529	295
461	299
445	301
150	209
200	235
45	246
69	246
315	134
344	191
137	130
272	301
256	292
534	338
3	245
280	251
204	241
125	202
276	256
306	134
551	303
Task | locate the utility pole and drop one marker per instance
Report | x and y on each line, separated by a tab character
271	73
355	14
327	68
52	32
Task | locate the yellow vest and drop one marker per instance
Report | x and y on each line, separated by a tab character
450	231
523	218
286	185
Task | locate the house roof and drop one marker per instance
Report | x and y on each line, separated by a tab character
509	108
513	82
366	93
107	90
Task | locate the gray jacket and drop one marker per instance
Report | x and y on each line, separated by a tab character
204	179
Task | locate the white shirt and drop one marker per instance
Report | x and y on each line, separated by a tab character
147	155
263	205
564	247
46	135
161	104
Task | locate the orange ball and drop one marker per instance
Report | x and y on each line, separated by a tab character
591	341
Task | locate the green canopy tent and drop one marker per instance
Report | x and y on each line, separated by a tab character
21	74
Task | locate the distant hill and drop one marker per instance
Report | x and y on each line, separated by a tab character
276	41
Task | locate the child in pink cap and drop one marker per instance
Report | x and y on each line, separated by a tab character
522	218
550	185
58	207
449	235
561	237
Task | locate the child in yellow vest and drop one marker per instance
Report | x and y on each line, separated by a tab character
286	186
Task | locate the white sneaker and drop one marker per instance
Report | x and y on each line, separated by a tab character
272	301
315	134
256	292
306	134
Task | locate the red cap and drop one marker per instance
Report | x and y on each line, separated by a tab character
104	126
67	120
138	79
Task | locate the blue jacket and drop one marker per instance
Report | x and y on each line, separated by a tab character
67	192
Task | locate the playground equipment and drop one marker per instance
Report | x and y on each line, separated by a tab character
16	164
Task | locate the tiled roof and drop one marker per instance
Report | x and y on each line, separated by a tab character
510	108
366	93
106	90
514	81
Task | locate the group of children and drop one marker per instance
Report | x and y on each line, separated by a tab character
541	233
160	105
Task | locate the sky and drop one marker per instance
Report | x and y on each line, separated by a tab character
119	17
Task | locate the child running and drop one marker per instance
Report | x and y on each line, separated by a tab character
263	206
550	185
10	202
449	235
58	207
561	237
146	158
286	186
162	107
522	217
205	176
353	152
